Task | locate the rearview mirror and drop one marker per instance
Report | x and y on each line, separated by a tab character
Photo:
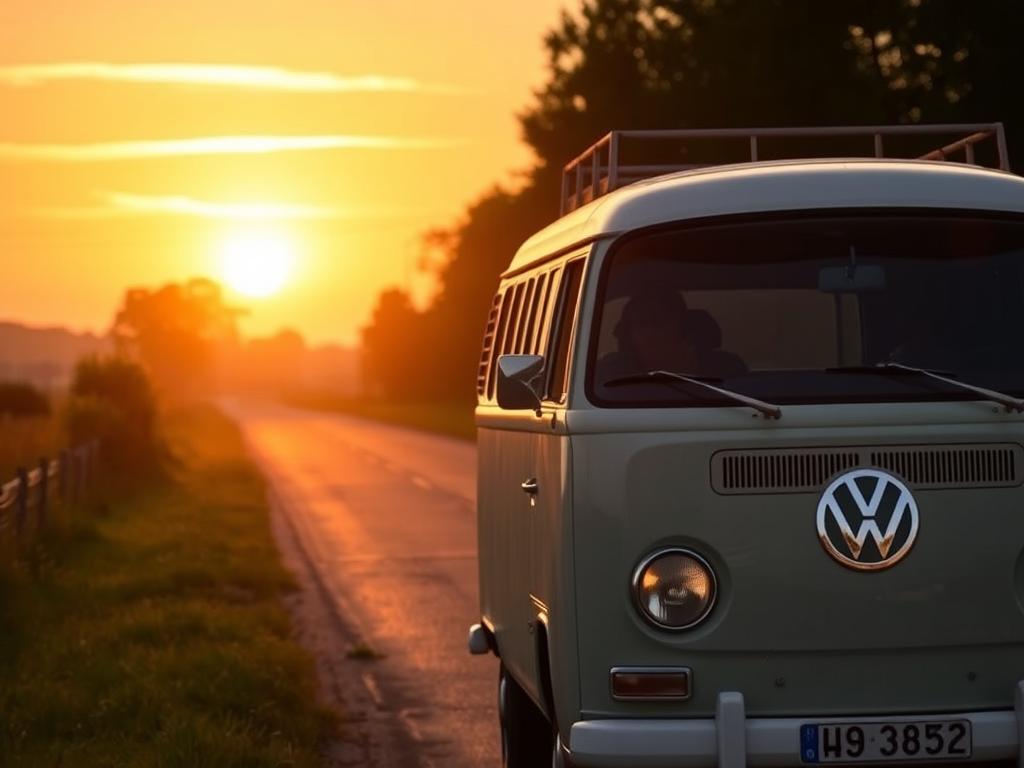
863	278
519	381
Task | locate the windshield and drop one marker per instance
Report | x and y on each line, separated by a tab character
793	310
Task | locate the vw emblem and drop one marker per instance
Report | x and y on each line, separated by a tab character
867	519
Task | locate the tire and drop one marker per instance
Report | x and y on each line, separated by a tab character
527	738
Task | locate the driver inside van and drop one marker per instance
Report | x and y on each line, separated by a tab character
651	336
657	331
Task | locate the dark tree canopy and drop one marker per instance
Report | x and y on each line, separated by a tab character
736	63
717	64
21	399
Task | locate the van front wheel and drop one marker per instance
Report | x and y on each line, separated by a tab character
527	738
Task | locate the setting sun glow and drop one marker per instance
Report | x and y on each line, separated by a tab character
345	130
257	264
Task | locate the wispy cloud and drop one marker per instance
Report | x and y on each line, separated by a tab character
218	75
211	145
124	204
180	205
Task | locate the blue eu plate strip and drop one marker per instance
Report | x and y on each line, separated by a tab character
809	743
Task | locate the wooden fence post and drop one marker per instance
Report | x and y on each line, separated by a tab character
74	475
62	475
83	471
22	504
44	488
83	458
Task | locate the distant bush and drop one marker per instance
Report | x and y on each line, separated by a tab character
112	399
18	398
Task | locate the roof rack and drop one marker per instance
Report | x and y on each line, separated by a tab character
599	169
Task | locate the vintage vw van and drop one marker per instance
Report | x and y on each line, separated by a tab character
751	455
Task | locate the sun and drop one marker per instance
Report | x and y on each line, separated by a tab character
257	264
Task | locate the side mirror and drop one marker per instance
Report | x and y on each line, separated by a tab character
519	381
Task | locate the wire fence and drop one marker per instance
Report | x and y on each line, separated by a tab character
33	495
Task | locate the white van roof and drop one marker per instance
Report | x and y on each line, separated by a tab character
766	186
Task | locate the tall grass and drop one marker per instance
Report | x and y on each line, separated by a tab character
23	441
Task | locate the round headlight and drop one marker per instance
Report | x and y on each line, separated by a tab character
674	588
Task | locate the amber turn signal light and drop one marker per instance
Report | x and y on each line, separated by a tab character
651	683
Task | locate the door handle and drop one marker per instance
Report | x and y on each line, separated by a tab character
530	486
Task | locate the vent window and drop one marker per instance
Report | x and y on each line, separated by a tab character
485	355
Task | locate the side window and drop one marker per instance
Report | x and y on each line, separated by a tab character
508	342
561	340
545	310
519	346
536	318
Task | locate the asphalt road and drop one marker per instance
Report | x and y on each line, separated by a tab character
378	524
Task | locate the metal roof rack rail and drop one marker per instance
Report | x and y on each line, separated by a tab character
599	170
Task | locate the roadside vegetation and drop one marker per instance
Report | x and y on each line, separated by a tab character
28	428
147	627
24	440
441	417
21	399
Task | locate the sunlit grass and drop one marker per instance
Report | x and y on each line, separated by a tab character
155	633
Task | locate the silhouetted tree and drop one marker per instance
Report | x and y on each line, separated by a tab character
393	353
731	63
718	63
175	331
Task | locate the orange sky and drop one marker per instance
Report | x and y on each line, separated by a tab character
364	123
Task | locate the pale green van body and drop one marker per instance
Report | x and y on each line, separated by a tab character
799	637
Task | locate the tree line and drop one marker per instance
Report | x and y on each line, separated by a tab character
634	64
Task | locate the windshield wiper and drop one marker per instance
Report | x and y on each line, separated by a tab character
1009	402
770	411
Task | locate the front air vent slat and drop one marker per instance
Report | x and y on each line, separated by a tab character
953	466
921	466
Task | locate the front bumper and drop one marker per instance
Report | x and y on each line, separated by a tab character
731	740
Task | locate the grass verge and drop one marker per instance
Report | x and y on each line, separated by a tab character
444	418
154	634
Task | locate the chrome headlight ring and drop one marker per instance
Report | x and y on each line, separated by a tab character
674	581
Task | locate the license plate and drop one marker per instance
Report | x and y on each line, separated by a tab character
880	742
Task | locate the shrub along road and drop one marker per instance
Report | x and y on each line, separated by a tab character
379	523
150	631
